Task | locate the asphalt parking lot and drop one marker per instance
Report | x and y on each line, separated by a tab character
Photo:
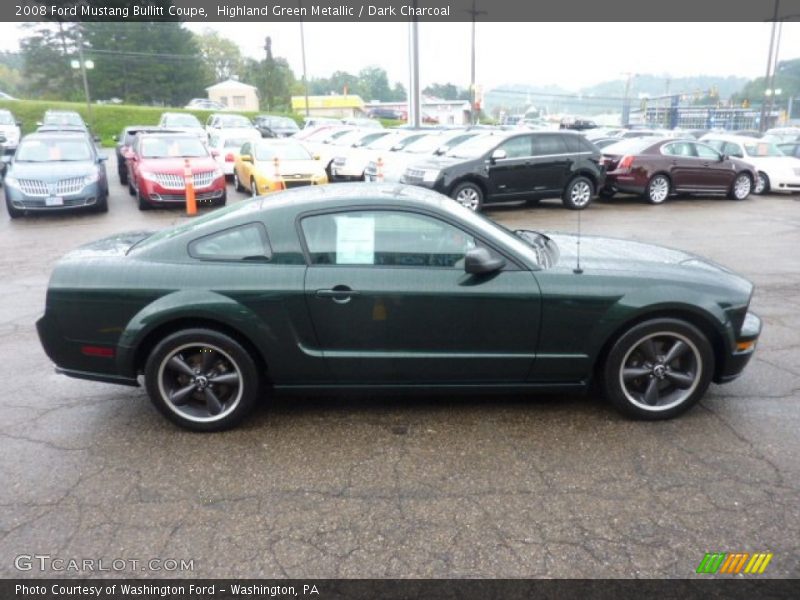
411	487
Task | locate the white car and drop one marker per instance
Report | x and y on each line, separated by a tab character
776	171
226	144
342	144
9	129
183	123
351	163
431	145
228	122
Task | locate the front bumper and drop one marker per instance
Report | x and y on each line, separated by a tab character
786	182
87	197
348	171
734	362
160	196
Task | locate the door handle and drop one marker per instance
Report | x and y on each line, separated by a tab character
705	164
341	294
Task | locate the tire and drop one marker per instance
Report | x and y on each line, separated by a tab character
253	188
469	195
14	213
201	379
741	187
641	380
102	204
606	194
236	183
578	193
123	176
143	204
131	189
221	201
762	184
657	190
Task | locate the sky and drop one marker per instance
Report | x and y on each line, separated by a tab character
570	55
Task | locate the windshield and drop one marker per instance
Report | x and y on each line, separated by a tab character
279	122
281	151
761	149
629	146
6	118
475	147
172	147
385	142
53	150
236	142
181	121
63	119
234	121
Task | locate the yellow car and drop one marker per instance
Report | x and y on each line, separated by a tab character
271	165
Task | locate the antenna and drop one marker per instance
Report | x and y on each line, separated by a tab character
577	270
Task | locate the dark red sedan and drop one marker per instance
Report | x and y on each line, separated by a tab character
658	167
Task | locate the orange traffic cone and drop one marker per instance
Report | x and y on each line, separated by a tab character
191	201
379	170
280	184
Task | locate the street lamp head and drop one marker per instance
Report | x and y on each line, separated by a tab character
75	64
89	64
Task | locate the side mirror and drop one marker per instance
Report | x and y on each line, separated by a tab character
396	147
723	157
102	158
18	122
317	157
441	150
115	138
246	158
215	153
96	138
479	261
499	154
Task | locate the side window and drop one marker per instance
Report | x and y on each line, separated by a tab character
244	243
518	147
578	143
544	145
716	144
245	148
734	150
679	149
385	239
704	151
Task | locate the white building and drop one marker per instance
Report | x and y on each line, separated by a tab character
434	110
234	95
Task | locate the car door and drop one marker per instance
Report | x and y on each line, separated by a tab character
507	167
243	167
550	164
685	169
391	303
718	174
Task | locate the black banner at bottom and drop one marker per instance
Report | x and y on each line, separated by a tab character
395	589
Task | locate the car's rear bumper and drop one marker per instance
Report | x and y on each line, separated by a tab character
734	362
624	182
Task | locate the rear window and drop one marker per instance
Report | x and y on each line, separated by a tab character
629	146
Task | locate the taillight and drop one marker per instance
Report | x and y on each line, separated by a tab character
229	157
625	163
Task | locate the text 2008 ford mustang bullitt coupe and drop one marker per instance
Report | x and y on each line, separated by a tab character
389	288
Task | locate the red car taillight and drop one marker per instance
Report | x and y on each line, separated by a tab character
625	163
229	157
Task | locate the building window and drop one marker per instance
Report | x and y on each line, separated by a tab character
238	101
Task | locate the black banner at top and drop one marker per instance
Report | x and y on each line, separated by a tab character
399	10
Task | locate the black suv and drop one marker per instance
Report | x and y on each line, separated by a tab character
498	167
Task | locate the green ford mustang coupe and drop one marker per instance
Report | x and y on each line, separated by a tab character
389	288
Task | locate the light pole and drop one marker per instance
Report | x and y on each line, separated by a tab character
303	51
84	65
472	112
762	122
626	103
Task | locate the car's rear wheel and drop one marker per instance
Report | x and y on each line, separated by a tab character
237	184
658	369
741	188
201	379
657	190
468	195
762	184
578	193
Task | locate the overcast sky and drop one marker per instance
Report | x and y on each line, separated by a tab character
571	55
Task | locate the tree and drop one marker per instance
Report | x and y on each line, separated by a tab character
446	91
221	56
787	79
273	77
46	70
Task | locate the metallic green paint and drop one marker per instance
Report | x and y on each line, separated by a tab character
410	328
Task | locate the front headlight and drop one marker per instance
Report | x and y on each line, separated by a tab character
430	175
11	182
91	178
218	173
148	176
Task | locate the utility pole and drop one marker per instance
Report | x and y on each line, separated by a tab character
626	103
774	68
79	29
303	51
472	112
762	122
414	108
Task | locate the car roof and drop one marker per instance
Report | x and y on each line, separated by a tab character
727	137
58	111
57	134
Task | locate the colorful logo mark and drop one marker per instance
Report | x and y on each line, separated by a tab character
732	563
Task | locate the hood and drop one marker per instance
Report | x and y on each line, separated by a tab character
177	165
439	162
52	171
291	167
774	162
611	254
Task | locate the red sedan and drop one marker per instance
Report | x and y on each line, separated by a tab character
658	167
157	165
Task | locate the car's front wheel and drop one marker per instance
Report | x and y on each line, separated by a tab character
741	188
202	379
253	188
658	369
578	193
14	213
762	184
237	184
657	190
468	195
